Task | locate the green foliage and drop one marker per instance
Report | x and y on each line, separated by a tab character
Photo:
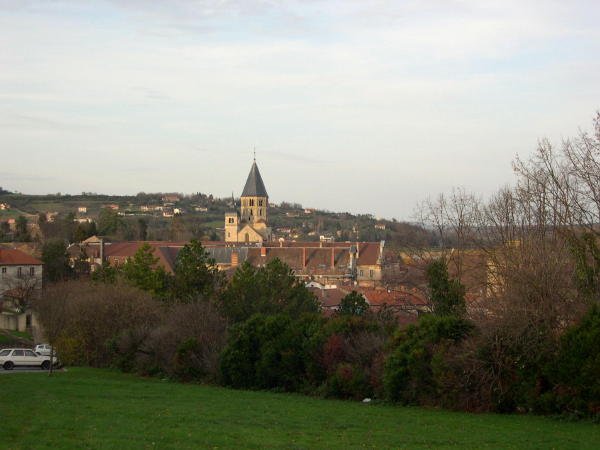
576	371
268	352
143	272
142	228
270	289
55	259
109	222
353	304
409	369
447	296
21	232
84	230
105	274
196	274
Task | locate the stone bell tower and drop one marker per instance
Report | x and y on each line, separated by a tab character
250	224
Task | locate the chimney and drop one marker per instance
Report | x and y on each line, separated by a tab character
263	251
235	258
333	257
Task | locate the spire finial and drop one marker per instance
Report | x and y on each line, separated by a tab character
254	149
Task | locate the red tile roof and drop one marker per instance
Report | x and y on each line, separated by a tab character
317	258
12	257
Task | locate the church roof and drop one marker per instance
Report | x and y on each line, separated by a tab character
254	184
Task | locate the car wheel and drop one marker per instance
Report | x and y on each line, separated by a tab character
8	365
45	365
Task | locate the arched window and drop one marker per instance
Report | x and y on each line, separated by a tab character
247	238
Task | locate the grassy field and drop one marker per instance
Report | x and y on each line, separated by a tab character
86	408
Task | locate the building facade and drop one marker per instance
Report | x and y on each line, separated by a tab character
20	281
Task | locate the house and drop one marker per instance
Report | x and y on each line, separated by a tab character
170	198
380	226
82	209
4	206
20	281
91	250
112	206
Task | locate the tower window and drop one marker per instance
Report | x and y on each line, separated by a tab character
252	202
260	203
260	212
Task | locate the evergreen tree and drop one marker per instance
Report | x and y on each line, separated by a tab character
55	259
447	296
271	289
196	274
143	272
353	304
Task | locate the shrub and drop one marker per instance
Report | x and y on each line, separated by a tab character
409	373
186	345
267	352
575	373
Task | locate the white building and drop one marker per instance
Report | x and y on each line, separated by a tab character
20	281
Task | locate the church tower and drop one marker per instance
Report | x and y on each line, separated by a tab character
255	199
250	224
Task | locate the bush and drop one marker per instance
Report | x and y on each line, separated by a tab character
94	319
575	373
267	352
352	355
411	368
186	345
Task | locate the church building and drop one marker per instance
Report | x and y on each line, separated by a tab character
250	223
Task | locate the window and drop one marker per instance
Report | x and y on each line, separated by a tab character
4	270
252	202
260	212
260	203
228	234
371	273
17	353
31	271
29	353
231	220
20	272
4	352
361	273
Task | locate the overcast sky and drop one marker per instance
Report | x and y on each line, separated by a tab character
354	105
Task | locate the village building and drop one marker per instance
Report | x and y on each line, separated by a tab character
20	281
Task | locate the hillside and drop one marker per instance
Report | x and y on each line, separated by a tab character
91	408
182	217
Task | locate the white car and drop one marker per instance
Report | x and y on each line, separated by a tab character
43	349
23	357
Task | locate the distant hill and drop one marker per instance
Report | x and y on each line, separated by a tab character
171	216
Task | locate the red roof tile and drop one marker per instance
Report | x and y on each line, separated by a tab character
12	257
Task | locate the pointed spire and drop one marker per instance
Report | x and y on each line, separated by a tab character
254	184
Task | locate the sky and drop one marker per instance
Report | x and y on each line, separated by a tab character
355	105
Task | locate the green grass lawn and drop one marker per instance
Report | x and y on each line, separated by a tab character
87	408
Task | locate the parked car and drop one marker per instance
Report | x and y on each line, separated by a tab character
23	357
43	349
